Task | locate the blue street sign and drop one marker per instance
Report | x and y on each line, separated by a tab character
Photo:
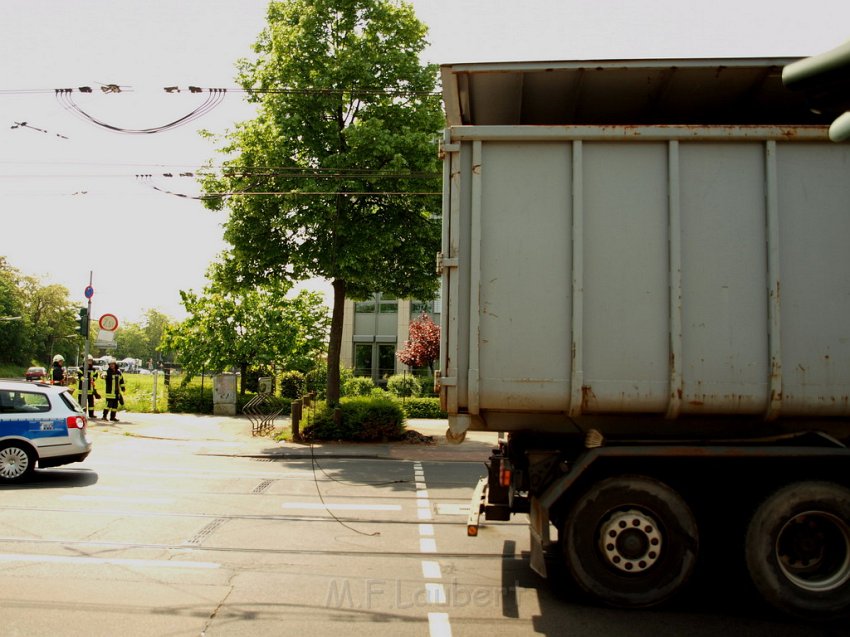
89	292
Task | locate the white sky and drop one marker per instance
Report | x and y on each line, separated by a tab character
71	206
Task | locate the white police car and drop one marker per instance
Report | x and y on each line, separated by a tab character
39	423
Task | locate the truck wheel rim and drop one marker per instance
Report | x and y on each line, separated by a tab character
13	462
630	541
813	551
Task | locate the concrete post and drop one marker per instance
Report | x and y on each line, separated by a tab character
224	394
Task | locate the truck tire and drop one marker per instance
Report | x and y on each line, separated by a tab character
630	541
798	550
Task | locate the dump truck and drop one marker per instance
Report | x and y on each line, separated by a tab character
645	271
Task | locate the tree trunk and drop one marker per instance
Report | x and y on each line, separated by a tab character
335	344
243	367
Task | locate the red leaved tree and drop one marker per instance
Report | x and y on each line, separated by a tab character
423	345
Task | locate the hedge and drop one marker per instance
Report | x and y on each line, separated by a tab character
189	400
361	418
423	408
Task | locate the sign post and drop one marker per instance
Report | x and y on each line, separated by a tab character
108	324
84	384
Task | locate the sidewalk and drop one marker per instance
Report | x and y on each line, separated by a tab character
224	435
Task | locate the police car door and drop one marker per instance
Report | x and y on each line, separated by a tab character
26	415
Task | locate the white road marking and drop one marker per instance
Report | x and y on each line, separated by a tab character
431	570
313	506
452	509
438	625
113	561
427	545
116	498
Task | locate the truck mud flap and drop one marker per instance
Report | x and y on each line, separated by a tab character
476	507
538	529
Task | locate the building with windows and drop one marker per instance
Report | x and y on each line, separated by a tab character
374	330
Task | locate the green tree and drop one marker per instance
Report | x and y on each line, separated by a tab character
154	326
132	342
13	333
248	328
51	319
345	144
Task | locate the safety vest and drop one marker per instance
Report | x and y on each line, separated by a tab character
93	376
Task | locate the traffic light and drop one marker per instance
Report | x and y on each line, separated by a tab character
83	327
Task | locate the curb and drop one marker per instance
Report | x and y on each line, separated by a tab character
238	444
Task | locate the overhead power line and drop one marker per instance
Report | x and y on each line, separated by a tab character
214	97
145	179
40	130
285	90
65	98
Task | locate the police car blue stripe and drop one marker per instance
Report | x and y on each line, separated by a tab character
33	429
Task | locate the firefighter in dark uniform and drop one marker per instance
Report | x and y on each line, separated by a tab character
57	371
91	389
113	386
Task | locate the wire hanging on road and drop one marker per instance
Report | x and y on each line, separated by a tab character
65	97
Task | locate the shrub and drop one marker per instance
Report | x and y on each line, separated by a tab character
404	385
189	400
423	408
363	419
291	385
317	379
358	386
427	382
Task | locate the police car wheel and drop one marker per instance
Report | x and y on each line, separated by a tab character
16	462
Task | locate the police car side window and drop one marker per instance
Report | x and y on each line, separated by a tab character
17	402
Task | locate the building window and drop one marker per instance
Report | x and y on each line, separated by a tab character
386	362
388	304
375	337
364	307
363	359
374	360
432	308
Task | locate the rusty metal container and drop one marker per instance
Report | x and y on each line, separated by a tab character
647	247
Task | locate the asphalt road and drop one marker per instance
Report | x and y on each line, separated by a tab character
173	537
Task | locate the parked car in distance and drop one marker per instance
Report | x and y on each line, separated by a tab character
39	424
35	373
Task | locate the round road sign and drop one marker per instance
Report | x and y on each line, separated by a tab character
89	292
108	322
